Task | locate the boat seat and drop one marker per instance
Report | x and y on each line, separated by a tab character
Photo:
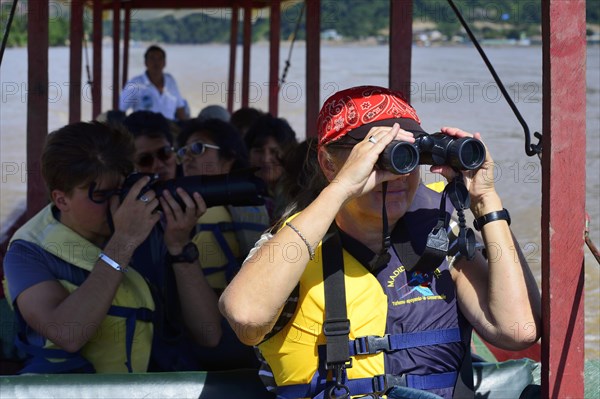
192	385
492	380
508	379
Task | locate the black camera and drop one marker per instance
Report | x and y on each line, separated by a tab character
464	153
238	188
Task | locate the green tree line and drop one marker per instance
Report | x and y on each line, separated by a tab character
353	19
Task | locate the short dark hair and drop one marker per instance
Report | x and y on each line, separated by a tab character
154	48
223	134
79	153
269	126
244	118
149	124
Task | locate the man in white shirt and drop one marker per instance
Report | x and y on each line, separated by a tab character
154	90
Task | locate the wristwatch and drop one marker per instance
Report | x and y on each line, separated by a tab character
491	217
188	254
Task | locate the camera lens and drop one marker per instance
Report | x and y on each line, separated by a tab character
399	157
238	188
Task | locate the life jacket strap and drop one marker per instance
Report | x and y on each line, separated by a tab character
372	344
383	382
336	326
217	230
131	316
39	363
363	386
75	362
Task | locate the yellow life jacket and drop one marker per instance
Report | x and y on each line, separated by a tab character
123	340
291	353
294	352
224	236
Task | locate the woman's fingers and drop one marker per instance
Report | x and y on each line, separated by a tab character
384	135
454	131
200	205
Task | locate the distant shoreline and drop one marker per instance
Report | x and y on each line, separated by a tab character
360	43
490	43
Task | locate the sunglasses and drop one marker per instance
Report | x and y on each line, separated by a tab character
163	154
196	148
101	196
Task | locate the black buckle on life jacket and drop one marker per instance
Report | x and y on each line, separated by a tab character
371	344
336	327
383	382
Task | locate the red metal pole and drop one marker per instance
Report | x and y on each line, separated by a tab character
235	10
274	39
401	15
563	216
37	102
126	29
116	54
97	53
246	55
313	63
76	38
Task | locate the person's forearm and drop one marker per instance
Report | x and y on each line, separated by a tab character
80	314
513	296
198	304
253	300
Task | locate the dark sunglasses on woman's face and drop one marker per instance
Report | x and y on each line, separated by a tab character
146	160
196	148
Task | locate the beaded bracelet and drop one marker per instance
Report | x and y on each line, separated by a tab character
311	250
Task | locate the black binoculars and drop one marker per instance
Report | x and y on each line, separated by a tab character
238	188
464	153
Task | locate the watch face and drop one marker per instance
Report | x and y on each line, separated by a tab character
190	252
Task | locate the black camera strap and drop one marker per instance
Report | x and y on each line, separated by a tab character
438	241
459	196
436	247
383	257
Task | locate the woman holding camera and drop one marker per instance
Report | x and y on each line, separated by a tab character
388	316
80	306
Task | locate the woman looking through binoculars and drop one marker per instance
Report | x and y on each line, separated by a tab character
408	304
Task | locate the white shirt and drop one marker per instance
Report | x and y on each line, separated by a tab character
141	95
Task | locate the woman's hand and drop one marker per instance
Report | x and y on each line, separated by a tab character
180	222
479	182
358	175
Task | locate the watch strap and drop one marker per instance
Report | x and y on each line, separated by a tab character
189	253
491	217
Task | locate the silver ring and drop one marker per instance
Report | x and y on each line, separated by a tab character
144	199
372	140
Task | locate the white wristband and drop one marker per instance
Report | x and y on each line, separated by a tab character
106	259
